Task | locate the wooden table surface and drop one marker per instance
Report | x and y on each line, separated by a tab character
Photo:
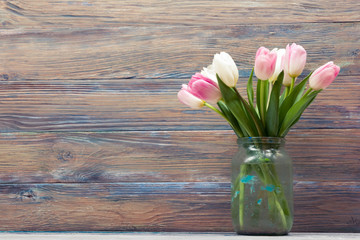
92	136
173	236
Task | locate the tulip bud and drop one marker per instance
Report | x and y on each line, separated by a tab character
279	64
323	76
264	63
209	72
204	88
294	60
187	98
226	68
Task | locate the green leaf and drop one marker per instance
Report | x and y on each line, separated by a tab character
250	93
262	92
235	105
282	97
295	112
272	114
284	134
301	91
293	97
286	131
250	90
232	120
251	113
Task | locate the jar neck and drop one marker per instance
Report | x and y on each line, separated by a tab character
261	142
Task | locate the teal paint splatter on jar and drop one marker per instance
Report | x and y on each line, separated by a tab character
249	179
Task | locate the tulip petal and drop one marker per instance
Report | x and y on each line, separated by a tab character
206	91
287	79
209	73
279	64
189	99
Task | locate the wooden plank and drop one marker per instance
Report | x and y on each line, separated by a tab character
190	156
164	207
158	51
112	13
317	206
143	104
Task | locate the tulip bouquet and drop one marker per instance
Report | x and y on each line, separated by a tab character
273	113
275	107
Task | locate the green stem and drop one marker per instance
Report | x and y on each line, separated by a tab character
241	196
269	94
292	84
215	109
263	101
269	176
272	178
307	92
287	91
281	212
283	203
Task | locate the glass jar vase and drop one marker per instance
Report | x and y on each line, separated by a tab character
262	187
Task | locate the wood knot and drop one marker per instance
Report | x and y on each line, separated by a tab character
27	195
65	156
355	52
4	77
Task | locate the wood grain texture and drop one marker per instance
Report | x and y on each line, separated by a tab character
166	51
163	207
143	104
40	15
165	156
92	136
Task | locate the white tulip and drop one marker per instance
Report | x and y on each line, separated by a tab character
279	64
287	79
209	72
226	68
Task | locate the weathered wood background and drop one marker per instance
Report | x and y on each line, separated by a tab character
92	136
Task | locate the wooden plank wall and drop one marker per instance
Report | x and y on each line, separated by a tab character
92	136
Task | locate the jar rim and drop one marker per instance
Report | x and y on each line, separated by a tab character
266	139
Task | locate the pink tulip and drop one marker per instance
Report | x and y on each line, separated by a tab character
295	59
265	62
186	97
204	88
323	76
